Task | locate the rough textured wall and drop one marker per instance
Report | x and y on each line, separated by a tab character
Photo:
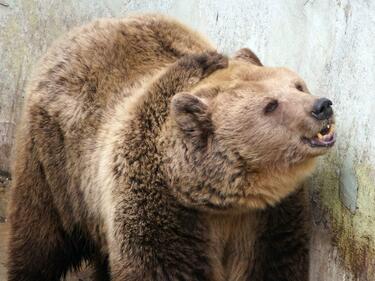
329	42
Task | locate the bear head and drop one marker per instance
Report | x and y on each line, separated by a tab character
245	137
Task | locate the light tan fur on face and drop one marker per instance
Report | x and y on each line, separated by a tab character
273	184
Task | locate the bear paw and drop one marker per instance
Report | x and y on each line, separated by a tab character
205	63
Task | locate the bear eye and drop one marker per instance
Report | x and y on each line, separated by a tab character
271	106
299	87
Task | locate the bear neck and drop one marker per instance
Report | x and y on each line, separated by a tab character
202	178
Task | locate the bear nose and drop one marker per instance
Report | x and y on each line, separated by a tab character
322	109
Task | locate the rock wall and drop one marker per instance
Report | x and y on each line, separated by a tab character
329	42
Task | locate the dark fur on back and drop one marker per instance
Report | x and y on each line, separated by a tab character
90	171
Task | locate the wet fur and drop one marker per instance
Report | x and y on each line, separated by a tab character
95	158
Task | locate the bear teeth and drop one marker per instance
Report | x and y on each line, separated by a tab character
327	130
325	138
326	133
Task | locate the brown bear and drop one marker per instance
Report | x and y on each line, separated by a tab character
148	154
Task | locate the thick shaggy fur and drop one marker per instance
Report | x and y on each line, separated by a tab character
144	152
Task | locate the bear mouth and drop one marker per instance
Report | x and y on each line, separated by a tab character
325	138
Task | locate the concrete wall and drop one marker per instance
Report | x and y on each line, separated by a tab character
329	42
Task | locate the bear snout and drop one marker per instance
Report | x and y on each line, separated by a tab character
322	109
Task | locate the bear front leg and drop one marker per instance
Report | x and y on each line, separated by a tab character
180	76
38	247
156	243
152	237
283	247
200	65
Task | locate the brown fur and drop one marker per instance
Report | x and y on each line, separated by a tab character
142	151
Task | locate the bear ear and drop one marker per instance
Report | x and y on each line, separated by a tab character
192	117
247	55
